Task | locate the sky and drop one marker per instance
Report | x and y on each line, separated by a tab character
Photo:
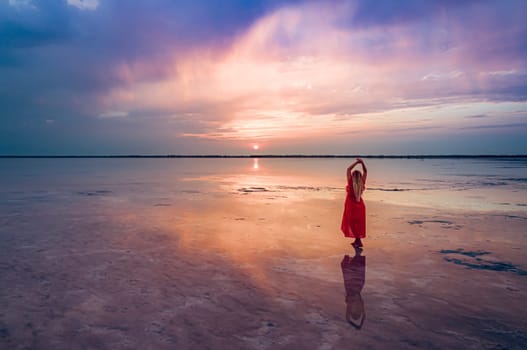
100	77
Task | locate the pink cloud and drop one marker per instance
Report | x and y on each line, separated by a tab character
296	73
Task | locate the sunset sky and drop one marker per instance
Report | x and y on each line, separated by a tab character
219	77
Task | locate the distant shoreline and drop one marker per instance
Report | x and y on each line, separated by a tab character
380	156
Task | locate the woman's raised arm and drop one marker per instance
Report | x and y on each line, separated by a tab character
350	168
364	170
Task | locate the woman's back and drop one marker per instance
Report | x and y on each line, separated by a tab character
357	185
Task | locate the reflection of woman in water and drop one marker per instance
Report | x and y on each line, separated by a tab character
354	273
354	216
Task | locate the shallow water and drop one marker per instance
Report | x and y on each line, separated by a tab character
471	184
247	253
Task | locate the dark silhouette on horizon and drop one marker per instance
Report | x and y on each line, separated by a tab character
378	156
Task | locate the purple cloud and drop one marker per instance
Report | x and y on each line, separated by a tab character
67	60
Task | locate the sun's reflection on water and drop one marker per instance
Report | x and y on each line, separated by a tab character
252	217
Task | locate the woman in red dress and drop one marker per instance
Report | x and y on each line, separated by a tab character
354	216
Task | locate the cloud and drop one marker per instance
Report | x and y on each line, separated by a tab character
113	114
501	72
235	70
499	126
260	81
440	76
84	4
476	116
22	4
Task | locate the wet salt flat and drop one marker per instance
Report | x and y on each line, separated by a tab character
247	253
481	184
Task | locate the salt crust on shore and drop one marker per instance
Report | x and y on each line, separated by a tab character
255	271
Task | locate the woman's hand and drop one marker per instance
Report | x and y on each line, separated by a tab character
353	165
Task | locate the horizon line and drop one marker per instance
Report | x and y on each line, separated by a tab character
374	156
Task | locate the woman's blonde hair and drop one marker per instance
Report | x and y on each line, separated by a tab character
358	184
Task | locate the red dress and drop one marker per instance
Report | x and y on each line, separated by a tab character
354	216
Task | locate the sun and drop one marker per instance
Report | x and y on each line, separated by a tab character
256	147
